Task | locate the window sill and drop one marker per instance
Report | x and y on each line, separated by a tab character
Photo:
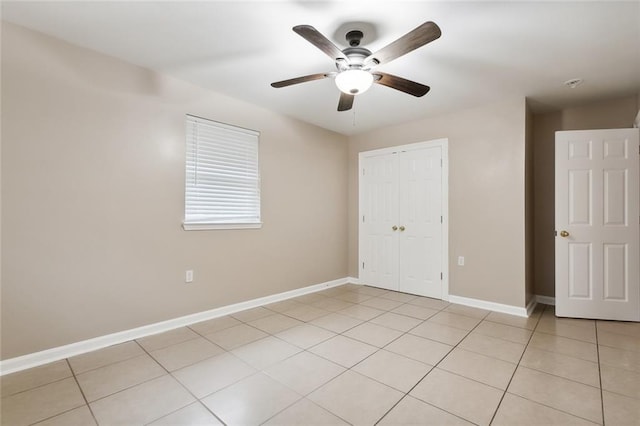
212	226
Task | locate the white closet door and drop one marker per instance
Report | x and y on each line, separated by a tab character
420	221
401	223
379	210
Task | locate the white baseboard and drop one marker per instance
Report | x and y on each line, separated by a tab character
50	355
490	306
546	300
353	280
531	306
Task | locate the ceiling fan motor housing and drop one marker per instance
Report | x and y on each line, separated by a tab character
355	56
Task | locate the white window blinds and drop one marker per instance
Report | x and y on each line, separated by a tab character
222	176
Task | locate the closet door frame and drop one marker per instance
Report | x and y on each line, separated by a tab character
362	156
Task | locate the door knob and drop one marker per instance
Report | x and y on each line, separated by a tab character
402	228
395	228
564	234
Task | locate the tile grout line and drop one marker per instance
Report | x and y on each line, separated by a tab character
110	363
128	387
192	363
549	374
563	354
81	391
557	376
180	383
515	369
74	376
171	344
565	337
599	373
36	387
305	398
429	372
560	354
57	381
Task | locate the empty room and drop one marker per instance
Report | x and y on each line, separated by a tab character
320	213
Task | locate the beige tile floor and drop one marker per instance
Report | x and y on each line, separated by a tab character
348	355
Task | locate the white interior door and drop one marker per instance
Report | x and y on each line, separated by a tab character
379	215
420	221
597	213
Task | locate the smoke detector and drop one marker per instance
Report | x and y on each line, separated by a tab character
573	83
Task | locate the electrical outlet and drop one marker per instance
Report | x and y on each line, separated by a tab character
188	276
460	260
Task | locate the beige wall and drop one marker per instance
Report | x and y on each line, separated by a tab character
92	199
486	195
607	114
544	128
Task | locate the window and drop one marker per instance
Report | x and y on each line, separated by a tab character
222	176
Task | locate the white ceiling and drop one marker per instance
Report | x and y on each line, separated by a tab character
488	50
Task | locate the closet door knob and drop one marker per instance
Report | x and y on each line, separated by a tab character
402	228
395	228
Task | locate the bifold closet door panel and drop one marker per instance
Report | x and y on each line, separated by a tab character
379	186
420	218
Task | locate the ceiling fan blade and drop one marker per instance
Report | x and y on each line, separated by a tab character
401	84
314	37
298	80
414	39
346	101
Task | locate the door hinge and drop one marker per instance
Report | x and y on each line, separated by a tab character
441	162
363	172
362	218
441	220
440	276
362	265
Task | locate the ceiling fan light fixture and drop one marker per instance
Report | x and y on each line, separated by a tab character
354	81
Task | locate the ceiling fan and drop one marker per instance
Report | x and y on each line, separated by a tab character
356	65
